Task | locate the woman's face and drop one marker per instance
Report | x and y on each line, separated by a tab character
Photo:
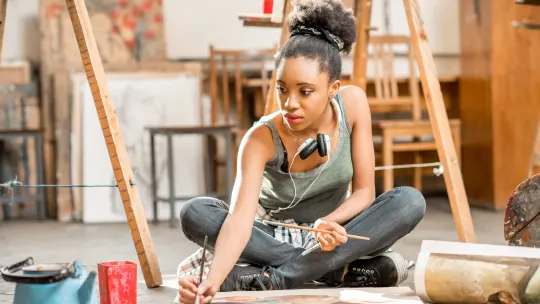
303	91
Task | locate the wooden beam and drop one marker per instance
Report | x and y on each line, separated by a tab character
62	158
117	151
271	104
363	21
440	124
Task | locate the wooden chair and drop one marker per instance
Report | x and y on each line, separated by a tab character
410	134
234	70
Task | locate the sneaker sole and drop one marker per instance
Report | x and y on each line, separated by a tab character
401	266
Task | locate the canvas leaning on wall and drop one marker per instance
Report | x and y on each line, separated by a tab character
140	99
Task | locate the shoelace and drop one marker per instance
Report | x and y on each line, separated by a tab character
245	282
265	269
366	276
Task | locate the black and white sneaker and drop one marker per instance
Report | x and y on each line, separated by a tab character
385	270
247	278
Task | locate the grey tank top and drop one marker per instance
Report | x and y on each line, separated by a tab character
325	195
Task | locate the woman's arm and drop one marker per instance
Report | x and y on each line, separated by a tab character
363	156
255	150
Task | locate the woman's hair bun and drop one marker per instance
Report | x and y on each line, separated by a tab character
328	14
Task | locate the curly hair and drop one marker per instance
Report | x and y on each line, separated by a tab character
329	15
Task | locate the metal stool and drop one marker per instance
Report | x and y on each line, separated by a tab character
209	132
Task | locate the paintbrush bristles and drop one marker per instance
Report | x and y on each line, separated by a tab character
352	236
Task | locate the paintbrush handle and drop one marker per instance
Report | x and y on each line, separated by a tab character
352	236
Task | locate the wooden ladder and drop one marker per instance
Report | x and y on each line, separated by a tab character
110	128
432	93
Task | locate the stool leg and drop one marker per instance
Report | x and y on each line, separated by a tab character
153	176
209	164
5	207
41	191
388	160
229	165
170	165
417	172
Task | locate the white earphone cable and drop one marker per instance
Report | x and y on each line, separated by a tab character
329	148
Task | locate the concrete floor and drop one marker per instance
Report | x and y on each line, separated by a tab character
55	242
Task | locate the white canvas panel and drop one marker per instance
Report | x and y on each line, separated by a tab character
140	100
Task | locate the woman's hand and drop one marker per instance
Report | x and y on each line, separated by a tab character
329	241
189	291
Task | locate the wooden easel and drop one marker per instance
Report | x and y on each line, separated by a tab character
111	131
432	93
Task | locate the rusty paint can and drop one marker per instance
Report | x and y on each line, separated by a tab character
522	216
117	282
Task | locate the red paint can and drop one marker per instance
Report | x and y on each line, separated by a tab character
268	6
117	282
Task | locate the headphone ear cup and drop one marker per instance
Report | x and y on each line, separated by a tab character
307	148
323	144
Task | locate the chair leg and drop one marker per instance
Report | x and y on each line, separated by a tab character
417	174
212	164
457	143
39	164
153	178
235	149
388	160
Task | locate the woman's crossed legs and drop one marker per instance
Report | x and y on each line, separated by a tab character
392	215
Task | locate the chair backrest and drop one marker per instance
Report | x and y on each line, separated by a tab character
234	65
387	96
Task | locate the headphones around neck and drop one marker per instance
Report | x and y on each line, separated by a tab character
322	145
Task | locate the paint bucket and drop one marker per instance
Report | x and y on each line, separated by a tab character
117	282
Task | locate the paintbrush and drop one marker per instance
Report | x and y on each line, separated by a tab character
197	298
313	229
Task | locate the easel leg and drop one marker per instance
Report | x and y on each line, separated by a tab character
363	17
3	9
117	151
441	127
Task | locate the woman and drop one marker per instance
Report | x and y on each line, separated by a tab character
283	177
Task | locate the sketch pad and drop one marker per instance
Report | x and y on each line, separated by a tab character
321	295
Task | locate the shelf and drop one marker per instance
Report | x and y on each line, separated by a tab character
258	20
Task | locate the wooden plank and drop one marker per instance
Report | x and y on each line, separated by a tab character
49	53
363	15
271	103
117	151
475	98
3	9
514	51
62	132
441	127
17	73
